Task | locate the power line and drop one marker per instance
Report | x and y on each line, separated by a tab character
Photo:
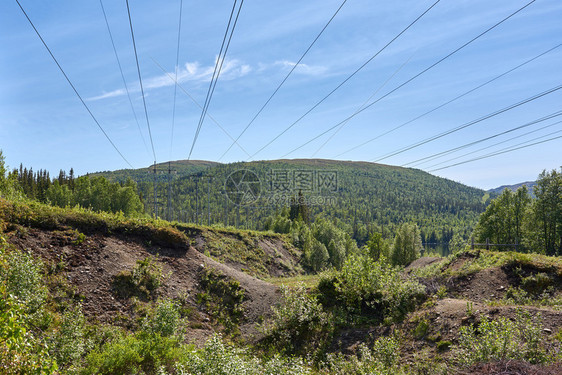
358	109
217	71
450	101
416	76
140	81
503	152
284	79
495	144
71	85
199	105
122	75
466	125
176	80
443	153
347	79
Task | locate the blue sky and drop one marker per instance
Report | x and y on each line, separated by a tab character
44	125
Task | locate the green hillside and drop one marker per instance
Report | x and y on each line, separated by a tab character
360	197
180	168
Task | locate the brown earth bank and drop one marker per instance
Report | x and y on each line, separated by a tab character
466	300
86	270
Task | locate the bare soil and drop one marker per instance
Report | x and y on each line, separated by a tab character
90	267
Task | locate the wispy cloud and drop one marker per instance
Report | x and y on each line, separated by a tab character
314	70
190	72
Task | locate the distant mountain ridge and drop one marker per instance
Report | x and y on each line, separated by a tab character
530	186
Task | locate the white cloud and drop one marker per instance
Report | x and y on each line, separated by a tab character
313	70
191	71
110	94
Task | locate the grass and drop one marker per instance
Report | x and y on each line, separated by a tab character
309	281
247	248
472	261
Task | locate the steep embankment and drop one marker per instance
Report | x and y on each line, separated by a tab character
87	255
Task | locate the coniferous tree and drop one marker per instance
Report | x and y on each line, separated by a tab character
407	244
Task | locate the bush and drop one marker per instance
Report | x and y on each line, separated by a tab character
299	324
222	297
140	353
502	339
142	281
536	284
23	278
216	358
21	352
68	343
374	289
383	359
165	320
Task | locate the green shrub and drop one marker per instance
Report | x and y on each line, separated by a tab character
23	278
536	284
165	320
216	358
383	359
142	281
21	351
503	339
299	324
68	344
443	346
421	329
222	297
140	353
372	288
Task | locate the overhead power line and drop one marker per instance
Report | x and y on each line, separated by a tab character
122	75
411	79
140	81
200	107
360	107
284	79
216	73
454	149
176	80
347	79
524	145
449	101
471	123
71	85
493	145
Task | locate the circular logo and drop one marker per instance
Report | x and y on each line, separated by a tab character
242	187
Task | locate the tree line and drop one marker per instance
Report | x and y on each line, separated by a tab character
96	193
535	224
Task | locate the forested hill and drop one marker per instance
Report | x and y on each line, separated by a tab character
530	186
180	168
361	197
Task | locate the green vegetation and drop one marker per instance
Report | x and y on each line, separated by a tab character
503	339
534	224
142	281
407	244
368	198
357	297
368	289
95	193
222	298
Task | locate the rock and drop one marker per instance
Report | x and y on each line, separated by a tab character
547	330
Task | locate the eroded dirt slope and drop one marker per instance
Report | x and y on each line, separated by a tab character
88	267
